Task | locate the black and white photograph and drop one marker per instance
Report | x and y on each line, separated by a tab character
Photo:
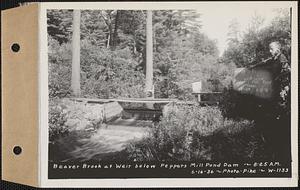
170	93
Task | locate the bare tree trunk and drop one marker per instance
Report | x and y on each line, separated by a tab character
149	56
106	15
75	83
110	36
108	40
114	41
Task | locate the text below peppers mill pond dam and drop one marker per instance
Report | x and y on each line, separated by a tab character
199	169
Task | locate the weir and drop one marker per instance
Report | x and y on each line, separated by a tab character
102	128
136	108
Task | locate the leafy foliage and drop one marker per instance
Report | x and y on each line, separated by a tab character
114	39
59	80
192	133
56	122
177	135
251	48
104	73
110	74
253	45
59	24
182	54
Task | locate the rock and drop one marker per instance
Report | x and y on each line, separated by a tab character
72	123
82	115
83	124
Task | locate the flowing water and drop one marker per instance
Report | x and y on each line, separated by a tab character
107	141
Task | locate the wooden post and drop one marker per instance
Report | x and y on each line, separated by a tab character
75	83
199	97
149	56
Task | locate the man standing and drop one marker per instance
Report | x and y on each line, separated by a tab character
279	129
281	72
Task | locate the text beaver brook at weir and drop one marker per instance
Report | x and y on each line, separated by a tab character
161	165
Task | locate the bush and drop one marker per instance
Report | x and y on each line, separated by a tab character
237	141
236	105
178	135
105	73
229	103
111	74
60	67
56	121
200	134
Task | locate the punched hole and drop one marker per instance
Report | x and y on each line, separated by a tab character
15	47
17	150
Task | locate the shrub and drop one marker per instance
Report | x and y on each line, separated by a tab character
59	69
105	73
236	105
56	121
205	135
229	103
237	141
110	73
178	135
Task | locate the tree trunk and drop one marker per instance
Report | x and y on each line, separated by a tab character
75	83
108	40
149	56
110	36
115	36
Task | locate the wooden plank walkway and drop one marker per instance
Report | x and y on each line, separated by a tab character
144	100
130	100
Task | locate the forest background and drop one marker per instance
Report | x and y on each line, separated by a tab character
113	52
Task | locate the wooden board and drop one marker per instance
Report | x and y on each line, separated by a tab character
197	87
20	94
256	81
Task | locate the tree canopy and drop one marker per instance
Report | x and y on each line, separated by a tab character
252	45
113	52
